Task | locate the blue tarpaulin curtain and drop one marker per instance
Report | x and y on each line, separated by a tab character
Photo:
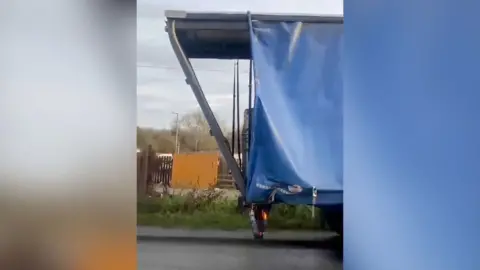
296	139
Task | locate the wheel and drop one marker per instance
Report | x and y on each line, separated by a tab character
258	220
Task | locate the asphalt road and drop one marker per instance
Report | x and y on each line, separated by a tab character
200	254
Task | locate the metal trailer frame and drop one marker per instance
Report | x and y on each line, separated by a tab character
220	36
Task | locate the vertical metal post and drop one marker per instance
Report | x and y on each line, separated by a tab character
234	107
192	80
252	62
238	115
250	101
177	147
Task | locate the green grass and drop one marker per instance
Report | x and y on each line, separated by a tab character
209	210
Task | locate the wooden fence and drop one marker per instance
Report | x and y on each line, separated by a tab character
225	181
225	178
152	170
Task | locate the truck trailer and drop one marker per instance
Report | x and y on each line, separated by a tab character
292	133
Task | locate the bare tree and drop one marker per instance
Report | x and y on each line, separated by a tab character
194	135
196	125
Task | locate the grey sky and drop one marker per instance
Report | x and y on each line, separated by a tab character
161	86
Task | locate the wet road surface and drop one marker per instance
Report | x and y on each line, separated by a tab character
204	255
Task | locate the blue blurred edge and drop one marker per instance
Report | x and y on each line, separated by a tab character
297	118
411	135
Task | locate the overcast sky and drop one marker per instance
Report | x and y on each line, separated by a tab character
161	87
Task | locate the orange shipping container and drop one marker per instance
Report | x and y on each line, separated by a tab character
195	170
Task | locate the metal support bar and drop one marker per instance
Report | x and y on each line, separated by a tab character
234	94
192	80
239	136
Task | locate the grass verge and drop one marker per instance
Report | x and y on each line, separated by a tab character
211	210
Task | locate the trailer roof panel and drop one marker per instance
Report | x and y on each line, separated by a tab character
213	35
